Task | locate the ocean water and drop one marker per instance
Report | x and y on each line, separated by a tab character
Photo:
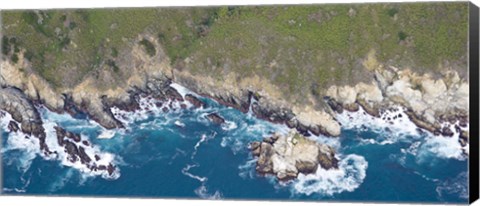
180	154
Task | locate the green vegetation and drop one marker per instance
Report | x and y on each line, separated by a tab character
392	12
149	47
402	36
301	49
55	41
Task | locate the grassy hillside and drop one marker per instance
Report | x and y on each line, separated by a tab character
301	49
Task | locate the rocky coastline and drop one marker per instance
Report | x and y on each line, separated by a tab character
432	103
27	121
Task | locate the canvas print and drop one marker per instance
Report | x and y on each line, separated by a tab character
322	102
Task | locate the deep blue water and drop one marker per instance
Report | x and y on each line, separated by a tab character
154	155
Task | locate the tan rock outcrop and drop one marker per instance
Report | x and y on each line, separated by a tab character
287	156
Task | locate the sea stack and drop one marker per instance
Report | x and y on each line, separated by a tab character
285	156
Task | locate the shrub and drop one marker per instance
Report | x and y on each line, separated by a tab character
149	47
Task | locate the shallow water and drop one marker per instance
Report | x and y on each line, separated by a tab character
182	154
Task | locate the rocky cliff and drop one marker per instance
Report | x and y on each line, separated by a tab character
431	98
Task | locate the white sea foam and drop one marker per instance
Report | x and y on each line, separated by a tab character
202	192
30	148
457	186
348	177
229	125
107	134
19	141
181	89
203	138
179	123
91	151
394	121
394	125
247	170
187	168
17	190
442	147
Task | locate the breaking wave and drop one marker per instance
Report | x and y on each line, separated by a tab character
395	126
350	175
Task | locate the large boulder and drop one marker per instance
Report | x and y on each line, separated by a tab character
285	156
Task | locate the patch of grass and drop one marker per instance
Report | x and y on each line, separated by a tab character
392	11
149	47
301	49
14	58
5	45
114	52
402	36
113	65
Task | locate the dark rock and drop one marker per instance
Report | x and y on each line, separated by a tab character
214	117
272	114
72	151
110	169
73	136
97	158
172	93
422	123
84	158
183	106
71	108
264	162
158	104
447	132
85	142
372	111
463	122
13	126
327	161
302	129
463	138
194	101
165	109
336	107
60	135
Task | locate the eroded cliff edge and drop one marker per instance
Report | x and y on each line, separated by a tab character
431	98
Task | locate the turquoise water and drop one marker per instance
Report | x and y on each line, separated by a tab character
180	154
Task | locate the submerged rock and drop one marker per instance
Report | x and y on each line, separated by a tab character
215	118
287	156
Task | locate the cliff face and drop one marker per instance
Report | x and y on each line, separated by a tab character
430	100
97	91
